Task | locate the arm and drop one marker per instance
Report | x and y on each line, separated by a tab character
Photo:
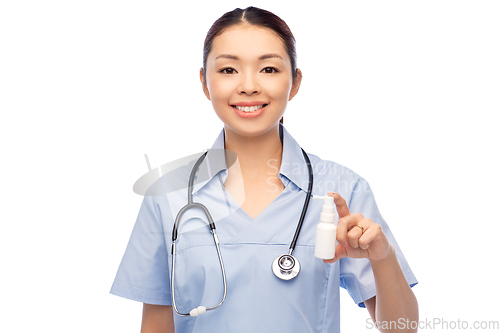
394	299
157	319
359	237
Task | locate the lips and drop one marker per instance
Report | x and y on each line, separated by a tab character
249	109
249	106
248	103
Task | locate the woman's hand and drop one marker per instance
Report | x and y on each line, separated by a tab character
358	237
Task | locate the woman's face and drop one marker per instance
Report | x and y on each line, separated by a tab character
249	79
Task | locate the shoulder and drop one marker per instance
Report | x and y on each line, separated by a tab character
161	186
331	176
326	170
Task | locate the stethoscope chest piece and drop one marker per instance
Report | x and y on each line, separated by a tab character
286	267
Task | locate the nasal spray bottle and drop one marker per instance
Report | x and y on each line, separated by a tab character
326	231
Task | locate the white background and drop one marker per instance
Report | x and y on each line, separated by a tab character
404	93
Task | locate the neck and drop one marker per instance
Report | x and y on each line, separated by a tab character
257	155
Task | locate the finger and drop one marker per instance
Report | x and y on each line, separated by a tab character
357	229
341	204
345	225
353	236
371	233
364	238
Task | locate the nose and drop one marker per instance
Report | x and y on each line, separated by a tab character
249	84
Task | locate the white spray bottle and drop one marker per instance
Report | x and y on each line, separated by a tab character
326	231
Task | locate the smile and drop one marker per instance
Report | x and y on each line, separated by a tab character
249	108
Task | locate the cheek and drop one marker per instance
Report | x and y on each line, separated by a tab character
219	91
279	89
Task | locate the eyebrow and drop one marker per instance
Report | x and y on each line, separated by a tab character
262	57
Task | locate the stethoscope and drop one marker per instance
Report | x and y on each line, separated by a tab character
285	266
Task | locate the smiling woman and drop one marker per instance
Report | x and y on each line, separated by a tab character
249	74
246	83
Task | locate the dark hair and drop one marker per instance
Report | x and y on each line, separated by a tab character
253	16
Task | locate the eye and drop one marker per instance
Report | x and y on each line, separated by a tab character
270	70
227	70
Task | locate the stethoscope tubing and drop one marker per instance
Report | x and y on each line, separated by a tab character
181	212
224	282
306	204
192	204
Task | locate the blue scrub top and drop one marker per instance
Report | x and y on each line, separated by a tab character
257	301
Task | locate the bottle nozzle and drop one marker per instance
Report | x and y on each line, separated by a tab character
328	211
328	201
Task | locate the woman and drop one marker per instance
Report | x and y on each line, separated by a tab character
249	74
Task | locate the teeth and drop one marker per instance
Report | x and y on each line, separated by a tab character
249	108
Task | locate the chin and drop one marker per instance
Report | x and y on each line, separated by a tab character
251	129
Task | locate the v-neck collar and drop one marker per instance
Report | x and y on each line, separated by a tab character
293	165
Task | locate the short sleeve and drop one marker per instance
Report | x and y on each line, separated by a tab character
356	275
143	274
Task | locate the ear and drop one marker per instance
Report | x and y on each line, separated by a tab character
295	85
204	84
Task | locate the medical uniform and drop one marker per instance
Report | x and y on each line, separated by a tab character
257	301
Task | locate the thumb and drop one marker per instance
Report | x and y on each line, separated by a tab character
340	252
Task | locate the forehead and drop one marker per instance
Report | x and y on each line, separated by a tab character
248	39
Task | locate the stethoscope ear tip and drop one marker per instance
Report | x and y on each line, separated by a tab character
198	311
